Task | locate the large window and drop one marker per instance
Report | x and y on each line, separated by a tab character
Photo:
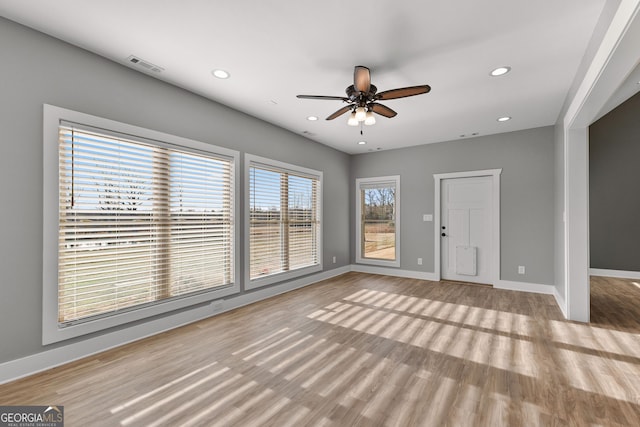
284	232
377	217
140	222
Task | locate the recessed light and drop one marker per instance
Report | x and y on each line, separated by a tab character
504	119
463	135
362	142
475	134
500	71
312	118
221	74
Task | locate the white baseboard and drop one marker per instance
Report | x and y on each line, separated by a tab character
620	274
561	302
25	366
48	359
501	284
525	287
535	288
386	271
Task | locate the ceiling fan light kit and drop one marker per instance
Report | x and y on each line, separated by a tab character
362	96
370	119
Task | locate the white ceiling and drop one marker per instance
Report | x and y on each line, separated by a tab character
277	49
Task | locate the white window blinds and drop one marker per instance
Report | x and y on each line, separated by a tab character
139	222
284	220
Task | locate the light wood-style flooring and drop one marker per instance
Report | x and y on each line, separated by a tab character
368	350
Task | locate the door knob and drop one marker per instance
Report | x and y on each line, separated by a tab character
444	234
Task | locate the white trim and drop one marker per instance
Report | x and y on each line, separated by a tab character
576	227
616	55
562	304
51	332
258	160
29	365
421	275
495	207
619	274
613	62
287	275
536	288
373	180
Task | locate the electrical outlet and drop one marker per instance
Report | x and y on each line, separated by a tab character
419	261
521	269
334	260
217	306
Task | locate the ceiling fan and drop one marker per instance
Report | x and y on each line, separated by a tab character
362	98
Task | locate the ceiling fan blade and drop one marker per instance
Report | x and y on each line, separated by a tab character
332	98
403	92
383	110
339	112
362	79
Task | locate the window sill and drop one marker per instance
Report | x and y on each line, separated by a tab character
54	333
378	262
280	277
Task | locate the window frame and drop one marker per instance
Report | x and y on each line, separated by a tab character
51	330
368	182
250	160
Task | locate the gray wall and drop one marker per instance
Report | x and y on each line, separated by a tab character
614	200
527	196
37	69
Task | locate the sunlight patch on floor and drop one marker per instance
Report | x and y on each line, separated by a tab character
160	389
502	321
210	405
235	413
260	341
595	374
157	405
457	340
595	338
297	355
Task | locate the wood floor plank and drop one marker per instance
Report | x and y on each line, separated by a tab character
368	350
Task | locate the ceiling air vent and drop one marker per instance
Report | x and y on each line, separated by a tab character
141	63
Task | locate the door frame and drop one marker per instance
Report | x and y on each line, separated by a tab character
495	217
613	63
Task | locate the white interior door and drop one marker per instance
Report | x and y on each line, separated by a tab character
466	221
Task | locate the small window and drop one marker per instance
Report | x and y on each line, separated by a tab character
140	223
377	218
284	227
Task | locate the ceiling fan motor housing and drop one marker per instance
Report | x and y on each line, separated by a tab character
361	98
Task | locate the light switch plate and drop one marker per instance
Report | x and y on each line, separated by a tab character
427	217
